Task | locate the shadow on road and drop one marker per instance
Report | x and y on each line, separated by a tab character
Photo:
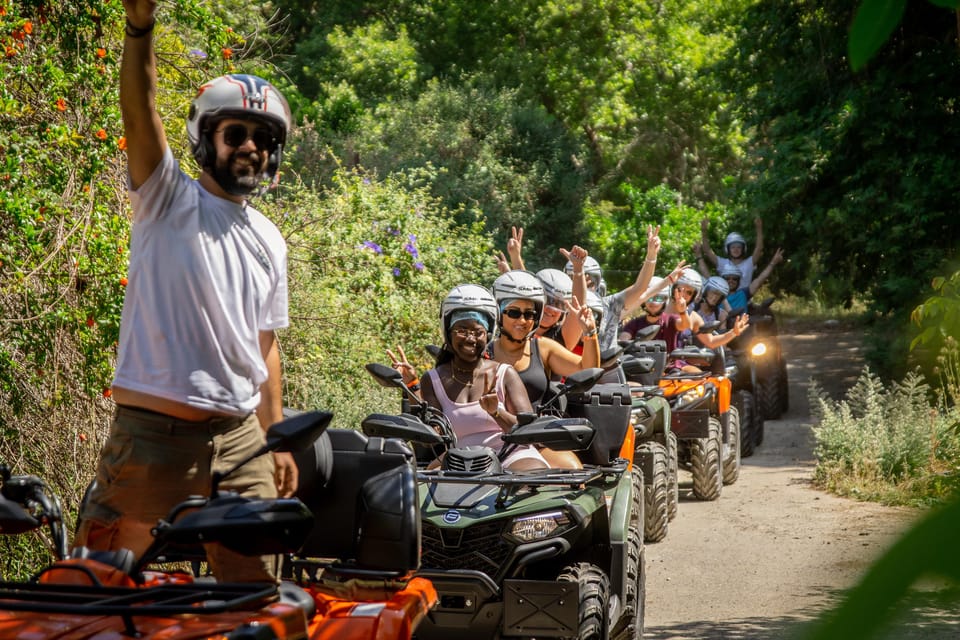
759	628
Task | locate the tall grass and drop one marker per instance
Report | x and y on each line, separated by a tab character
896	443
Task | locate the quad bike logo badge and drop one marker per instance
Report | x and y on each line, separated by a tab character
451	517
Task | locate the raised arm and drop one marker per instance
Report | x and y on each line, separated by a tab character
701	263
633	295
571	330
146	140
761	277
561	360
705	241
758	250
515	248
714	340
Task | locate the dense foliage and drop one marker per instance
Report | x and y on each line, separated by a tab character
427	129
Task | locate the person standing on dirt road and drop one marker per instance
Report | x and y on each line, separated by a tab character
198	370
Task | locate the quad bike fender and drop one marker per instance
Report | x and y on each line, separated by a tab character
619	533
651	415
393	618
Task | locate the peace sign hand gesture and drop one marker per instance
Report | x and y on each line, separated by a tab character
400	364
489	400
583	314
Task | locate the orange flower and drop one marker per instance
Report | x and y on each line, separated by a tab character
3	11
107	392
86	188
28	27
17	34
101	134
61	104
122	143
9	51
227	53
101	52
123	282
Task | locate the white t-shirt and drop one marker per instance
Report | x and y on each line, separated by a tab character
746	269
206	276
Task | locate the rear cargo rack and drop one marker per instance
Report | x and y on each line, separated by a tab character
163	600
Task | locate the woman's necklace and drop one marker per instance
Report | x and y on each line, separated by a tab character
453	374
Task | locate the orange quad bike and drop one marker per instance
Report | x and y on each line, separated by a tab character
350	542
706	423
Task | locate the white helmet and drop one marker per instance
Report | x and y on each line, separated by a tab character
662	288
718	284
734	238
729	270
690	278
590	267
556	284
469	297
519	285
595	303
237	96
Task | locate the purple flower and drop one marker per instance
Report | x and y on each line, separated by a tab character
366	181
199	54
418	266
373	246
393	232
412	250
441	250
412	238
396	271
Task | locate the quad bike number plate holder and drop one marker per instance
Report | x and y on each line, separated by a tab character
540	608
692	423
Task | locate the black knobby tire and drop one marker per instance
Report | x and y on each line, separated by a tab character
630	624
767	392
731	449
673	486
784	387
705	463
594	588
748	423
656	499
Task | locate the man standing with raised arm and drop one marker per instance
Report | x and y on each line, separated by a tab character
198	369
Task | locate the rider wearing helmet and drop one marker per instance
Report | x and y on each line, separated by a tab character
686	290
671	324
735	247
557	291
480	397
623	302
239	110
207	289
520	298
711	304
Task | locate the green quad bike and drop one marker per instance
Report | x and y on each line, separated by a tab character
551	553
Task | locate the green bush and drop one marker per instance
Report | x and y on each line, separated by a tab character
370	262
887	444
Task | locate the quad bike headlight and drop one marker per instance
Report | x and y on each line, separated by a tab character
691	395
538	526
758	349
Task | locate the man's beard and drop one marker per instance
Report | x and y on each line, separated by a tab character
233	183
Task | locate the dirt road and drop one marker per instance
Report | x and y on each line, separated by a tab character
773	551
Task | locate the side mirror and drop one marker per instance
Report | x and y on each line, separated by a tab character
559	434
709	327
384	375
14	519
582	380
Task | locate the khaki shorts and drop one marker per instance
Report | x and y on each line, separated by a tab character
151	462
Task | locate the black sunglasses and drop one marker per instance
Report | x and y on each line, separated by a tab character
236	134
516	313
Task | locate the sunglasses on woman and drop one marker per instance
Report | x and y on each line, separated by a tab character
235	135
516	314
